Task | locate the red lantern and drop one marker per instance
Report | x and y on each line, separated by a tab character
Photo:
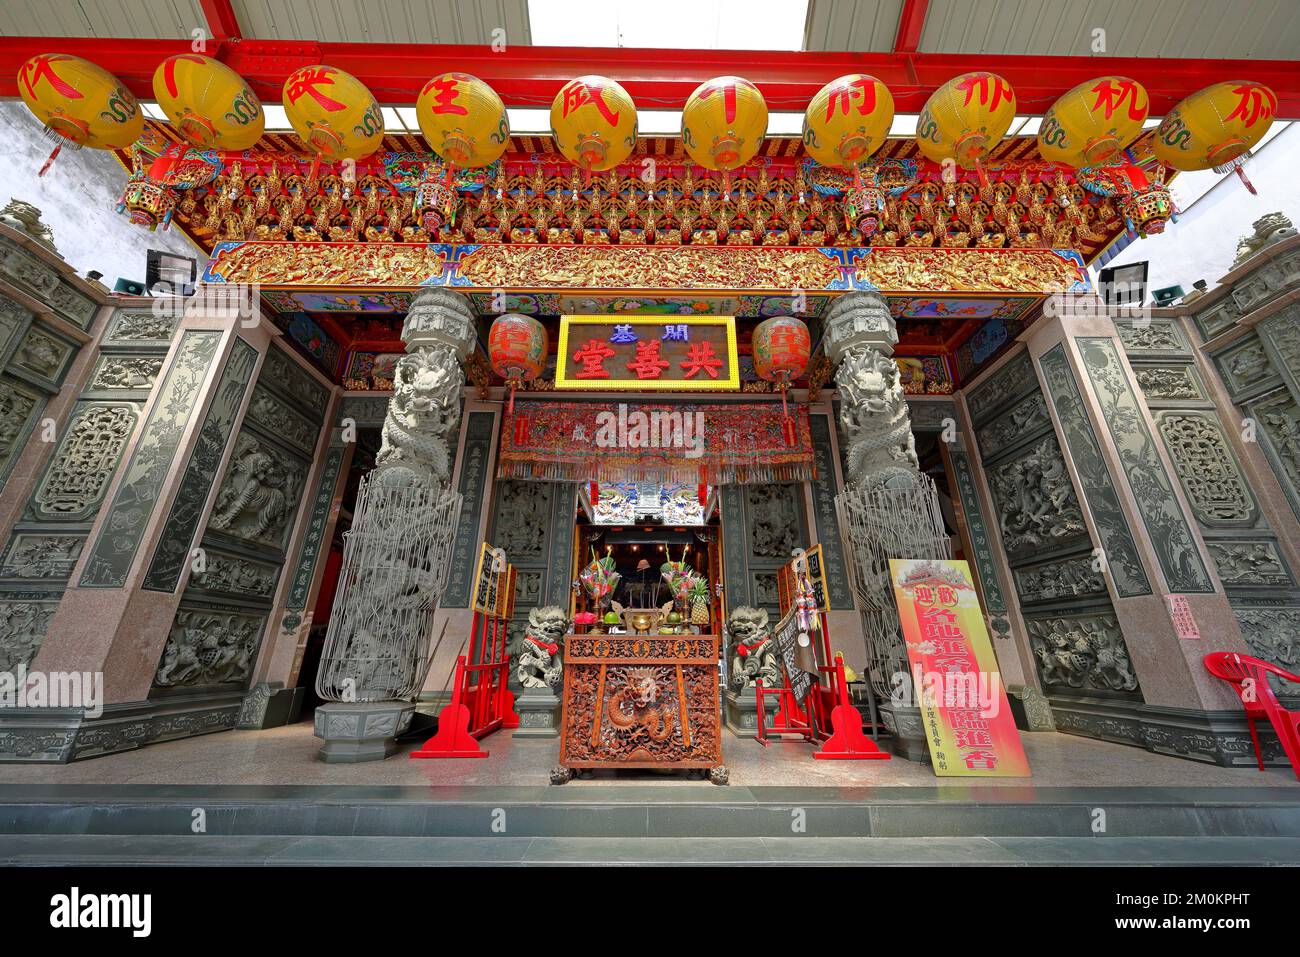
781	347
517	350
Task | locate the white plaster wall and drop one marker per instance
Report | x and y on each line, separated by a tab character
1203	243
78	200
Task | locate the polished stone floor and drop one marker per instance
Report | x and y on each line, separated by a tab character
287	756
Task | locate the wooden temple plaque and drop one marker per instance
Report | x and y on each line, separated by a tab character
641	700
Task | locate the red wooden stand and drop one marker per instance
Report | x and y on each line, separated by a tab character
480	701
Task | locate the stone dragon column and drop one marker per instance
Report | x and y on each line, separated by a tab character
888	508
396	555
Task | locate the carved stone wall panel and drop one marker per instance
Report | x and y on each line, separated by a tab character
1025	420
1277	421
208	648
1249	563
1167	383
1037	507
1272	634
122	373
295	382
43	357
735	549
19	406
196	484
72	305
1009	383
141	327
1152	337
32	555
30	272
1281	332
119	538
976	528
1116	538
930	416
1170	533
774	515
83	465
314	539
1246	368
473	482
23	623
277	418
237	575
1216	489
1219	317
1082	655
259	494
15	319
1063	580
1274	278
559	566
522	519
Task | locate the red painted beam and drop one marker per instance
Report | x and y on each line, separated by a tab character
222	22
656	79
911	19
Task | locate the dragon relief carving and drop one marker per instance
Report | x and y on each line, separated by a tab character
1036	499
754	653
641	699
254	502
422	414
537	657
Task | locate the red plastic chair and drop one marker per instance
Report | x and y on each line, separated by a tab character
1250	676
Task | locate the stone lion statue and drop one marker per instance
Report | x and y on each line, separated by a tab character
1269	229
753	652
26	218
537	664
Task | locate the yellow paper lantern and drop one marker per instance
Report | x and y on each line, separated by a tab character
463	120
333	113
79	103
1215	128
847	120
965	119
208	103
1092	123
724	122
593	121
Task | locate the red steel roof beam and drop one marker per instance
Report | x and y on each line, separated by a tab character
911	20
657	79
222	22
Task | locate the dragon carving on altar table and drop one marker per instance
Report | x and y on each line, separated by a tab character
538	655
639	702
753	650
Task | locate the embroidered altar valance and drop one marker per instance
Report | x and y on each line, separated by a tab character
718	444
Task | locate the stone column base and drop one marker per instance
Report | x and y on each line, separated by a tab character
539	714
1217	737
1030	709
907	732
360	731
740	710
270	706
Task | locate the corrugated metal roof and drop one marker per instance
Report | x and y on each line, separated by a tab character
1213	29
137	19
384	21
1258	29
856	27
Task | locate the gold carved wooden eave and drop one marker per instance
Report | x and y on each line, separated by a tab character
540	200
732	270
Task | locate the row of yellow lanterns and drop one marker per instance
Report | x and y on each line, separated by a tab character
594	123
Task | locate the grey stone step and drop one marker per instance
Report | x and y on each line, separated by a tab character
630	812
209	850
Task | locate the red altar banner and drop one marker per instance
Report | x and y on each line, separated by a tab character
741	443
955	678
